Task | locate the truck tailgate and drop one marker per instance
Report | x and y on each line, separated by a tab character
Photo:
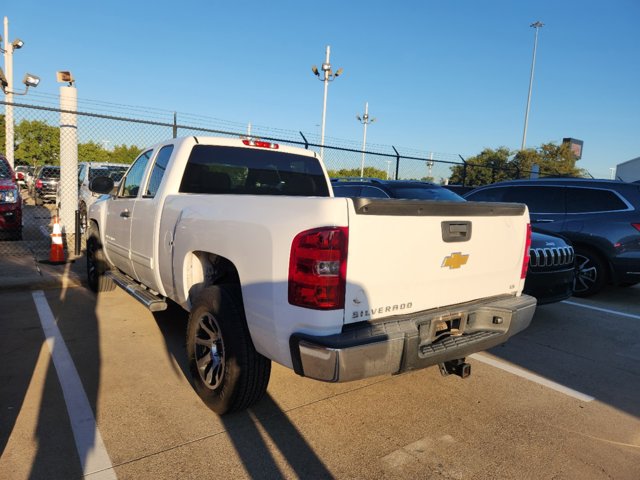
410	255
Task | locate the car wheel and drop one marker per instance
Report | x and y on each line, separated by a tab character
228	373
591	273
83	217
97	263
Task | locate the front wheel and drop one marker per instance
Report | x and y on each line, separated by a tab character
83	217
591	273
96	262
228	373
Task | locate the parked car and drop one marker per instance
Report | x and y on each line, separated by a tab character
22	175
10	203
551	258
87	171
45	184
600	217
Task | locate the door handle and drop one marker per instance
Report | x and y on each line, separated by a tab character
543	220
125	213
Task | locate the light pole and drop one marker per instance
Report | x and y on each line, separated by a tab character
327	76
365	120
6	82
537	26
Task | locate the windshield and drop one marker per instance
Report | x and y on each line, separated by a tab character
50	172
114	171
4	169
425	193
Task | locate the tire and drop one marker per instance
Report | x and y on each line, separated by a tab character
228	373
96	263
83	217
591	273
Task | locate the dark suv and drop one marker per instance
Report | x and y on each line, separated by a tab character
600	217
551	262
45	184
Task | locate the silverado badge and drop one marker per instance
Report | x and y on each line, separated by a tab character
455	260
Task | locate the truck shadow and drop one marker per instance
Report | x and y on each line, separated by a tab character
244	428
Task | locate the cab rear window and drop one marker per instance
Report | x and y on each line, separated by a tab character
241	171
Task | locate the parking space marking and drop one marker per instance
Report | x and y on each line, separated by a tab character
91	450
604	310
532	377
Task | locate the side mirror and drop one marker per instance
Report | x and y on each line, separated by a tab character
101	185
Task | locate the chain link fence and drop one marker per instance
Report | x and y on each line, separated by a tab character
108	143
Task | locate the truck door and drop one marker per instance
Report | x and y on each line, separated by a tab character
119	212
144	224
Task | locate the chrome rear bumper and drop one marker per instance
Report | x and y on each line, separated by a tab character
408	342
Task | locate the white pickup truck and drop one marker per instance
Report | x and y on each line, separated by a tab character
247	237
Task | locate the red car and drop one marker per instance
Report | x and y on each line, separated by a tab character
10	203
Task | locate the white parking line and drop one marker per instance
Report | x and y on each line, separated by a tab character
604	310
532	377
96	463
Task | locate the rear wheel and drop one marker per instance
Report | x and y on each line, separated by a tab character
228	373
591	273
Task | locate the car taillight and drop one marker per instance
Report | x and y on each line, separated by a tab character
527	247
261	144
318	268
38	183
636	226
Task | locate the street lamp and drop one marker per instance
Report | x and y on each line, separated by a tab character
365	120
6	84
327	76
537	26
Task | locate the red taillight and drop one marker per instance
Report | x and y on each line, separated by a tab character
527	247
636	226
38	183
261	144
318	268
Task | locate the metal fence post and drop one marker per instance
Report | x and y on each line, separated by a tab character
464	170
397	161
306	143
175	125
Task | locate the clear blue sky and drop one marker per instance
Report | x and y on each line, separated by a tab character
441	76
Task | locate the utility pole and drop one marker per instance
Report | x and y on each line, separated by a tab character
537	26
365	120
8	108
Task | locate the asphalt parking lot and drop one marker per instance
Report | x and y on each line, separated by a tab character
97	387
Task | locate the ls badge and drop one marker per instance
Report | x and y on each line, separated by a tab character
455	260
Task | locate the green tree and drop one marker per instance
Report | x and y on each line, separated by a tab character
496	165
369	172
124	154
487	167
92	152
37	143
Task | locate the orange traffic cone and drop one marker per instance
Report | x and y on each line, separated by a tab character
57	249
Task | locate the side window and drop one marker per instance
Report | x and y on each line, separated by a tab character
81	173
582	200
346	190
157	173
488	195
131	183
373	192
538	199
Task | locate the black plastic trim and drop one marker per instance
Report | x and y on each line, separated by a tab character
430	208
